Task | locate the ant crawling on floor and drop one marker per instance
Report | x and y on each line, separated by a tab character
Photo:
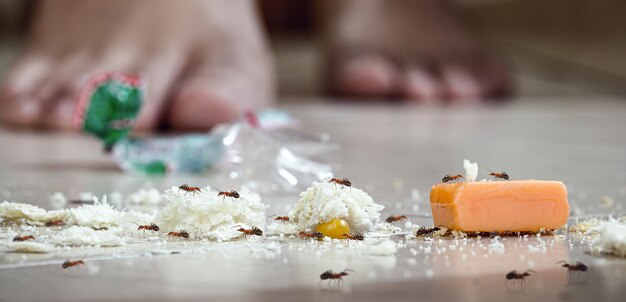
254	231
341	181
23	237
578	267
316	235
353	236
395	218
423	231
71	263
150	227
180	233
189	189
329	275
514	275
449	177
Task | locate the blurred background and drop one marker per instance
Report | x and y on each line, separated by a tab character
556	47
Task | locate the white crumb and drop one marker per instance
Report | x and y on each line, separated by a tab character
324	201
285	228
58	201
29	247
80	236
458	234
204	214
496	245
149	196
87	196
471	170
611	238
98	215
385	248
25	213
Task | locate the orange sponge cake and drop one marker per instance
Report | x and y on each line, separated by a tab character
500	206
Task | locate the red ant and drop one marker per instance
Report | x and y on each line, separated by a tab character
254	231
353	236
181	233
150	227
282	218
394	218
341	181
449	177
187	188
514	275
329	275
231	194
499	175
23	238
316	235
54	223
70	263
426	231
578	267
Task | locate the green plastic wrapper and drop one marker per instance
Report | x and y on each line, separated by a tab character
108	107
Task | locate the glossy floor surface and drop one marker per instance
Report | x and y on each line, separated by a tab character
393	152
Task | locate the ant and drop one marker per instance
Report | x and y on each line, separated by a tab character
341	181
54	223
316	235
187	188
282	218
150	227
353	236
426	231
329	275
499	175
394	218
101	229
23	238
514	275
254	231
578	267
231	194
449	177
180	233
69	263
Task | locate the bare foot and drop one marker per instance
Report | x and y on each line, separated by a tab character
413	49
204	62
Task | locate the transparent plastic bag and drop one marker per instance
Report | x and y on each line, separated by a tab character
264	151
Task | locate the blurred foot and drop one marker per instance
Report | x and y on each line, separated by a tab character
411	49
204	62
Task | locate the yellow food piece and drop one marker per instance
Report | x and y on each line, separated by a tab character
334	228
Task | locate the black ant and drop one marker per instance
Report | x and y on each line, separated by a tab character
514	275
187	188
422	231
449	177
329	275
394	218
341	181
578	267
